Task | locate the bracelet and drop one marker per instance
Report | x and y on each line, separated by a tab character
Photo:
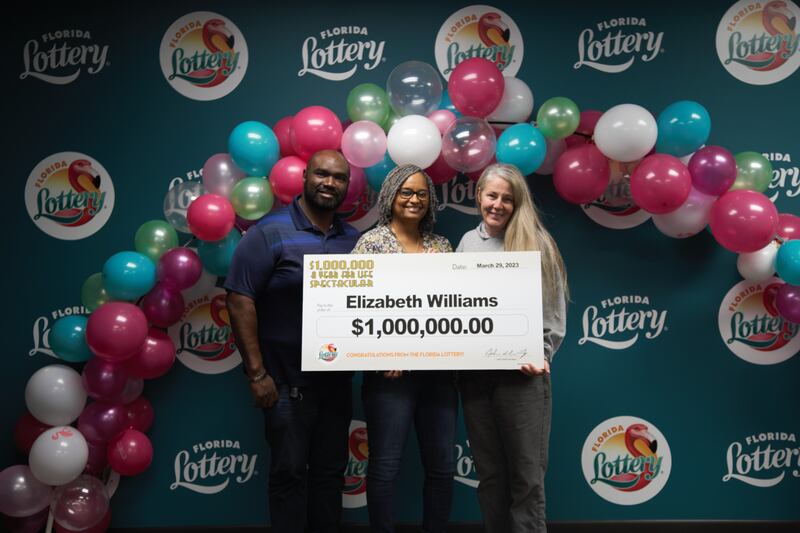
258	377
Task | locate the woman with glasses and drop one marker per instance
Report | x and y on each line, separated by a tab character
507	412
395	400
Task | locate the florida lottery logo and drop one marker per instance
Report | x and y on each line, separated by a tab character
203	56
479	31
763	460
203	337
620	321
59	57
615	209
757	42
785	176
328	352
209	467
354	493
69	195
617	44
751	326
626	460
338	48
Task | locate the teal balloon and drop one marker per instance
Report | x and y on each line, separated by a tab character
128	275
523	146
68	339
683	127
448	104
254	148
216	256
787	264
378	172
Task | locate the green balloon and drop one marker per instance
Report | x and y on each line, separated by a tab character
252	198
93	293
154	238
753	172
558	118
390	121
368	102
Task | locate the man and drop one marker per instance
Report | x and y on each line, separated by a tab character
307	414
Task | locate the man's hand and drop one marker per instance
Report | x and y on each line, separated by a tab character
265	393
393	374
533	370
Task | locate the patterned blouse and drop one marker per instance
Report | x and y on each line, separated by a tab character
381	240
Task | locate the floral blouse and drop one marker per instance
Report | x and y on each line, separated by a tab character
381	240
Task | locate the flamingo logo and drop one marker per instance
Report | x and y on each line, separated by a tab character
328	352
626	460
203	56
354	493
757	43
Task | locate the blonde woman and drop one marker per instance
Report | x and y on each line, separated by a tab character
507	412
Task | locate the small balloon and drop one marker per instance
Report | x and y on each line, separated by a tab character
787	263
54	395
93	293
283	131
252	198
133	389
555	147
469	144
414	139
683	127
367	101
101	422
687	220
140	414
21	493
116	330
128	275
516	104
523	146
163	305
58	455
131	453
442	118
660	184
254	148
179	267
314	128
440	172
364	143
787	301
744	221
80	504
558	118
155	237
103	380
26	430
390	121
713	170
788	226
581	174
68	339
626	132
220	174
378	172
414	88
754	172
286	178
476	87
210	217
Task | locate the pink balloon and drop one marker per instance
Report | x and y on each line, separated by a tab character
442	118
476	87
140	414
210	217
101	527
102	379
180	267
220	174
689	219
315	128
581	174
555	147
788	226
116	330
98	460
163	305
713	170
283	131
21	493
660	183
155	358
364	144
27	430
787	301
101	422
440	172
585	130
357	186
131	453
82	505
468	144
743	220
286	178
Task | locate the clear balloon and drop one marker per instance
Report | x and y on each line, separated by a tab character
21	494
378	172
254	148
217	256
252	198
787	301
220	174
523	146
286	178
558	118
683	127
93	293
179	267
788	226
469	143
314	128
414	88
283	131
743	221
26	430
59	455
101	422
364	143
210	217
581	174
68	339
758	266
787	263
54	395
689	219
177	202
103	380
133	389
555	147
516	104
476	87
753	172
155	237
131	453
713	170
128	275
140	414
660	184
80	504
626	132
414	139
116	331
367	101
163	305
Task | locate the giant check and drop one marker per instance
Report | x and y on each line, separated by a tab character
422	311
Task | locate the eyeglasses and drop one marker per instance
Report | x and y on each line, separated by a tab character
406	194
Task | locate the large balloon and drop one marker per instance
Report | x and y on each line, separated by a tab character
80	504
626	132
26	430
217	256
128	275
364	143
131	453
367	101
116	331
558	118
163	305
220	174
759	265
660	184
68	339
101	422
286	178
743	221
103	380
414	139
713	170
253	147
59	455
177	202
414	88
93	293
689	219
581	174
378	172
315	128
21	494
787	301
283	131
523	146
516	104
54	395
753	172
476	87
180	267
155	237
252	198
787	264
469	144
210	217
683	127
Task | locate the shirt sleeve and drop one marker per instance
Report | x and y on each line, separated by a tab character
555	320
252	264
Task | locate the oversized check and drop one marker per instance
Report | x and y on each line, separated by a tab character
422	311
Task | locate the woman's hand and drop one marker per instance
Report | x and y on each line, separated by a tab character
533	370
393	374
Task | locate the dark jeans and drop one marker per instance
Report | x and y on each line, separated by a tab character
507	415
430	401
307	434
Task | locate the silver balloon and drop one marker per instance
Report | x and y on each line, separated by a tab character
414	88
220	175
21	494
176	203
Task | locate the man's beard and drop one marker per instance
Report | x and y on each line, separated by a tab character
322	203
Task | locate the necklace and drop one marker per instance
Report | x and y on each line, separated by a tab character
417	242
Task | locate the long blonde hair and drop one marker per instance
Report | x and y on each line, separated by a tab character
524	230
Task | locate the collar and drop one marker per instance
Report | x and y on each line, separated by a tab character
301	221
483	234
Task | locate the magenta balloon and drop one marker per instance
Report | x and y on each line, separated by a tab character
21	494
155	358
788	226
355	189
220	174
140	414
440	172
116	330
80	504
210	217
97	461
364	143
286	178
660	184
476	87
315	128
555	147
283	131
102	379
581	174
180	267
743	221
713	170
101	422
469	144
788	302
442	118
131	453
163	305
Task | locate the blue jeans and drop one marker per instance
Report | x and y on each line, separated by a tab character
307	432
430	401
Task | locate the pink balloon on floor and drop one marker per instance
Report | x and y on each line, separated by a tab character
210	217
155	358
581	174
131	453
743	220
283	131
660	184
315	128
286	178
116	330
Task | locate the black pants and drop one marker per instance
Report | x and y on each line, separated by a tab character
307	431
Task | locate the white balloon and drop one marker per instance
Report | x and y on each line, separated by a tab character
55	395
414	139
516	104
58	455
759	265
689	219
626	132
